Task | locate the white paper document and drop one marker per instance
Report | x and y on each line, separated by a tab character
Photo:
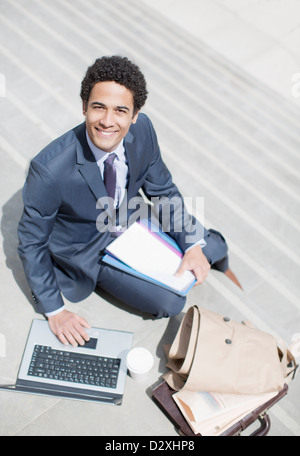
148	253
212	413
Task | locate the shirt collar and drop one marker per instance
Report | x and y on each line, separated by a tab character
101	155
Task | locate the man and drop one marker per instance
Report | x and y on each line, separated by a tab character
66	223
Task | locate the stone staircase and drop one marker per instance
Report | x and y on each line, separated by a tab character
226	138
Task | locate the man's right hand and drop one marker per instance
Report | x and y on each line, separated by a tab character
69	328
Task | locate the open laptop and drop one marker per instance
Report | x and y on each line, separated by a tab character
95	372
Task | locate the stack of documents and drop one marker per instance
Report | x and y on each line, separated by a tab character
151	255
211	414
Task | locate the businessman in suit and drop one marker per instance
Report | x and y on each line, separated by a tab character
76	202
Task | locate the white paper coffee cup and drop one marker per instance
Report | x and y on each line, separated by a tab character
139	363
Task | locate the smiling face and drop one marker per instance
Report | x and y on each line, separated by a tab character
109	114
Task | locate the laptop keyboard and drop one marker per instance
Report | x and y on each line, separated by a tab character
74	367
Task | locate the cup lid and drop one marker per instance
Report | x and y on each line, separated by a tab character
139	359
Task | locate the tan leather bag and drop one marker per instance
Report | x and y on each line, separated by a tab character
216	354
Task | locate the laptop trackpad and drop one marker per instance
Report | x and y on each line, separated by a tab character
92	344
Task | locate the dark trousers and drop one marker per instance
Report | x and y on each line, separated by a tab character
148	297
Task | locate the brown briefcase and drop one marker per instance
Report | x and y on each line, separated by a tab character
162	396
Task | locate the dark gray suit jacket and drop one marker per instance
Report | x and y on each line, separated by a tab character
59	242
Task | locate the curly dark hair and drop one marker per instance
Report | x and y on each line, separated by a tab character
120	70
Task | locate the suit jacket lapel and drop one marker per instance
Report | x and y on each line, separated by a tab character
87	165
130	150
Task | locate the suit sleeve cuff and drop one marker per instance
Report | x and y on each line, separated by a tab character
202	244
